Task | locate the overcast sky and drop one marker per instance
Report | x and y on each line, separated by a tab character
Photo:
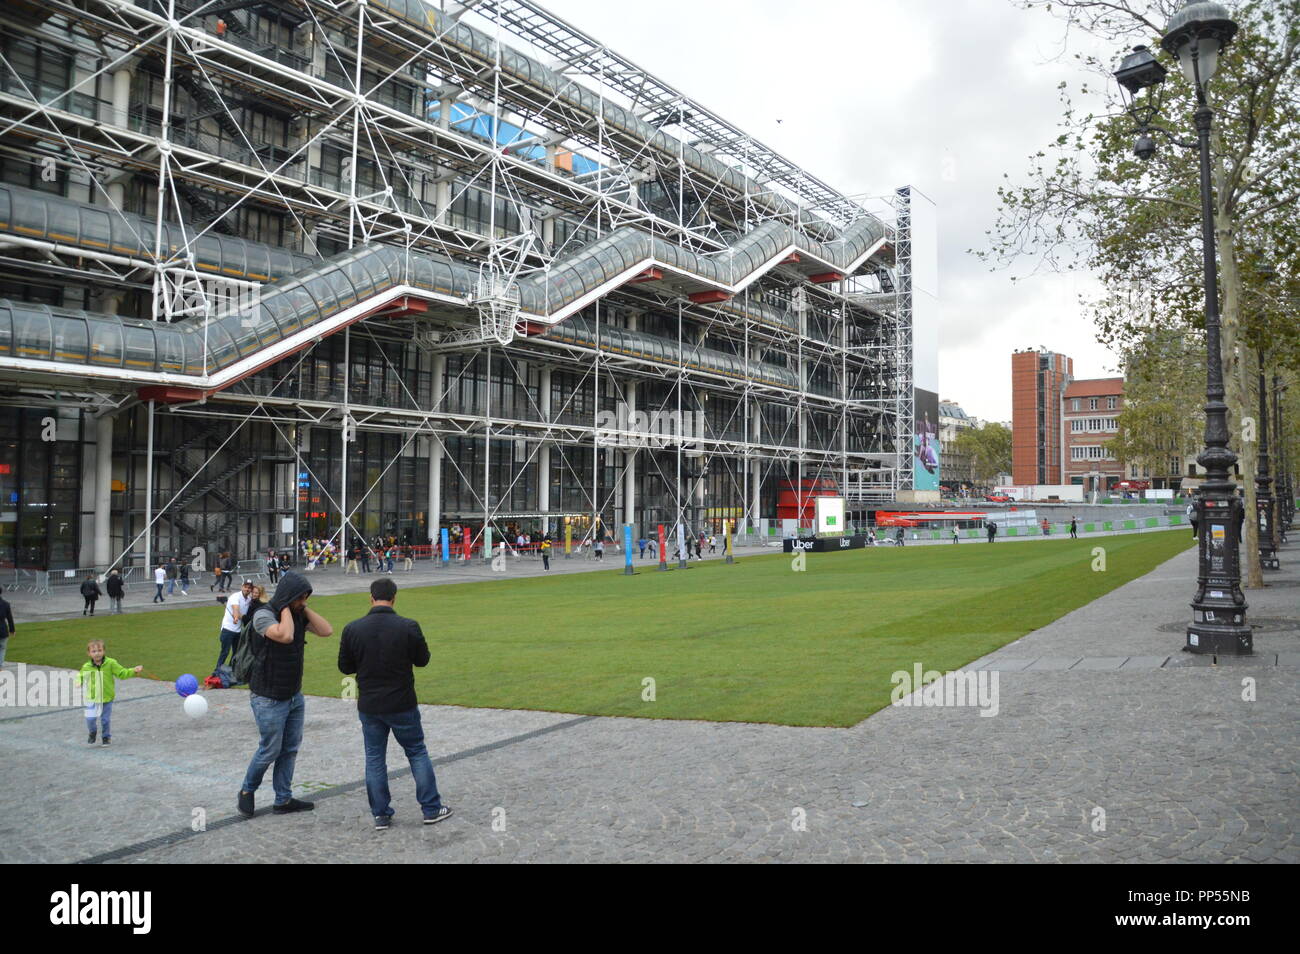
946	95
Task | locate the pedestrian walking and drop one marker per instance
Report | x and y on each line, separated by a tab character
599	548
171	576
1191	517
352	561
641	544
113	585
546	554
713	543
90	593
184	572
408	564
7	627
955	537
272	567
159	580
654	548
275	692
992	530
1074	529
365	558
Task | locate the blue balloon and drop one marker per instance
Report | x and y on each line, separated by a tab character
187	685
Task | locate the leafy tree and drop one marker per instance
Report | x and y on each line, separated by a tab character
988	448
1088	203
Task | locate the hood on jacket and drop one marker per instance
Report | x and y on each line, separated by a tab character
292	586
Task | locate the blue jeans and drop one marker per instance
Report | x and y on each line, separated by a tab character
409	734
104	714
280	722
227	646
171	586
158	597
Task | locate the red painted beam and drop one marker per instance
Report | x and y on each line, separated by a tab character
406	306
169	394
825	277
708	297
649	275
791	259
532	328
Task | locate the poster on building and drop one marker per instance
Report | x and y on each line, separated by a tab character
925	441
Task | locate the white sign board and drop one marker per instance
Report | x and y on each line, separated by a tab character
830	515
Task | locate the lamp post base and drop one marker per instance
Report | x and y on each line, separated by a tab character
1220	640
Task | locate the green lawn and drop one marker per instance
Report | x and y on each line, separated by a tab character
752	642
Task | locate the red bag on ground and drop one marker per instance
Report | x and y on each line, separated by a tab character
212	682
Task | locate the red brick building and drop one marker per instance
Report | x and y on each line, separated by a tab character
1038	382
1091	409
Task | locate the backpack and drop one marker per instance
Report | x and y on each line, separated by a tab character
250	648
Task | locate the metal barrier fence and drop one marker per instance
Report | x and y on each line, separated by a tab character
22	580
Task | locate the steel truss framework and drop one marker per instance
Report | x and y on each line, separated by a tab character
427	114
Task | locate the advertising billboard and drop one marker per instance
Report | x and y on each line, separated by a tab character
925	441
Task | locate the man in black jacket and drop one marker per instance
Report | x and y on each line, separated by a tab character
275	691
381	648
116	590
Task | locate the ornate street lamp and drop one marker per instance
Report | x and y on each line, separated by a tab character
1195	36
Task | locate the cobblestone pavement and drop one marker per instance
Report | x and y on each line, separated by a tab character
1148	762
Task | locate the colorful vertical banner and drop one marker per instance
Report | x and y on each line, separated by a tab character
466	543
446	544
663	548
726	538
627	549
487	543
568	540
681	546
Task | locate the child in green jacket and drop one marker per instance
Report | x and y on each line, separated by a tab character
99	676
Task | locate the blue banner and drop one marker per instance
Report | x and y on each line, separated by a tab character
446	545
627	545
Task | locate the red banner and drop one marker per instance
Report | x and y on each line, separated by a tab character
467	551
663	550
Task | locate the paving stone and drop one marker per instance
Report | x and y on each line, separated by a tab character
1144	662
1099	663
1052	664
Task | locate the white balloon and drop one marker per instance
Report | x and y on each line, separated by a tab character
195	706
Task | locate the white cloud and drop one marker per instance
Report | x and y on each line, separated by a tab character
940	94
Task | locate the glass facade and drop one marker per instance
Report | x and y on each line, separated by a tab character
40	487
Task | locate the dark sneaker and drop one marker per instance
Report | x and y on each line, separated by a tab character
383	822
442	815
245	804
90	739
293	805
105	740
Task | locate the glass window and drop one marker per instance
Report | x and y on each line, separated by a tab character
140	350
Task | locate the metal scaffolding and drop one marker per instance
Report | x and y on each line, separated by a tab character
465	248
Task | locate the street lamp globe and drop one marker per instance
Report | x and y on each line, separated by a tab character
1196	35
